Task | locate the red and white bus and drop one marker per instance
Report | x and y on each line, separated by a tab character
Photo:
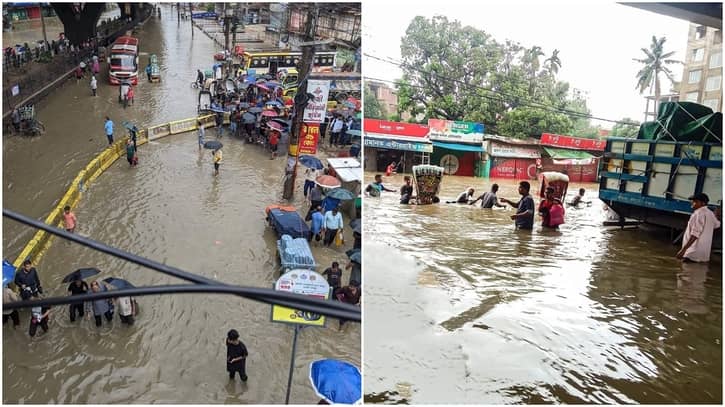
123	61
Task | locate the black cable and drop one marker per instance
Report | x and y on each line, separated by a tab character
334	309
204	281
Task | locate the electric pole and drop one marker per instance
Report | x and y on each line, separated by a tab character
191	19
42	22
227	20
178	13
308	52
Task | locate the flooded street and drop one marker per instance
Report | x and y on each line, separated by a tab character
486	314
170	209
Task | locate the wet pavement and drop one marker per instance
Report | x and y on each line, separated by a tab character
170	209
487	314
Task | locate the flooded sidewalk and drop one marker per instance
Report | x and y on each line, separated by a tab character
488	314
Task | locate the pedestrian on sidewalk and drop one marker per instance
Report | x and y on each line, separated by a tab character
94	85
109	130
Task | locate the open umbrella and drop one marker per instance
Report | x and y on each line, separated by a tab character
272	84
311	162
275	126
354	255
118	283
283	122
355	133
269	113
274	103
336	381
341	194
327	181
267	77
244	105
255	110
249	118
8	272
213	145
356	225
263	87
81	274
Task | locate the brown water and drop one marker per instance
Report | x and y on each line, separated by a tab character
476	312
170	209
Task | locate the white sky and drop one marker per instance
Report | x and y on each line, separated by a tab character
597	41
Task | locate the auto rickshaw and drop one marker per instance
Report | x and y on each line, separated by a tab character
155	69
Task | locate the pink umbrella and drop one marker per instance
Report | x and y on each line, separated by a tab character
274	125
328	181
269	113
261	86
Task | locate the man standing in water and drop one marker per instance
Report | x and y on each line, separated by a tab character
489	199
524	217
697	241
109	130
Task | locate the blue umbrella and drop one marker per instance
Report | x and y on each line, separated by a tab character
8	272
337	382
274	103
255	110
311	162
341	194
118	283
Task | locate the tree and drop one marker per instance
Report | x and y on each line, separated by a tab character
553	63
528	122
626	128
372	107
654	65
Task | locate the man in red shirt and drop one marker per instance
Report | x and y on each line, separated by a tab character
273	142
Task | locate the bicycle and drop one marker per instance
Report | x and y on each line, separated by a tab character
194	85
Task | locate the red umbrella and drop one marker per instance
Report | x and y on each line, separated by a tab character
289	102
328	181
269	113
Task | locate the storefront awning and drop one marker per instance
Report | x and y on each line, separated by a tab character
396	144
569	157
459	147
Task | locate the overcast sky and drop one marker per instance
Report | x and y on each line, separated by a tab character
597	41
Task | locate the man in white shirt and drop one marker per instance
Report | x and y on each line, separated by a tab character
333	223
310	177
336	130
697	241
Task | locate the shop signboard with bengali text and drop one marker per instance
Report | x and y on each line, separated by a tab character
392	144
513	151
316	107
455	131
577	143
304	282
309	137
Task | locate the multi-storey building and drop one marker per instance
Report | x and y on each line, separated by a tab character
702	76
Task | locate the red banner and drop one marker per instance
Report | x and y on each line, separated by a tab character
309	136
395	128
574	143
513	168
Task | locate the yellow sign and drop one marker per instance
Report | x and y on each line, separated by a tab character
305	282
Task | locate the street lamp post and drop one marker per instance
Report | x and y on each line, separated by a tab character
228	14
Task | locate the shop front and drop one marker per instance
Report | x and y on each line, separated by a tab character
457	146
513	161
574	156
405	144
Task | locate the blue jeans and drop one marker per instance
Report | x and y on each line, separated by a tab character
308	186
110	138
233	127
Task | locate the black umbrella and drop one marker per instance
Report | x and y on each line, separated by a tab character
354	255
249	118
244	105
81	274
213	145
118	283
356	226
255	110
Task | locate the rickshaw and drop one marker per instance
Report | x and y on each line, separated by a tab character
556	180
204	105
155	70
29	125
427	181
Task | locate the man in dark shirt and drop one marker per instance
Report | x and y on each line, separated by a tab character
489	199
334	275
77	287
376	187
27	277
524	218
406	191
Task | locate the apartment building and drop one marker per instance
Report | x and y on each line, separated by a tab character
702	76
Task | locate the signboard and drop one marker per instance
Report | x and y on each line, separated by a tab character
513	151
459	132
309	137
387	128
305	282
513	168
398	145
572	142
316	108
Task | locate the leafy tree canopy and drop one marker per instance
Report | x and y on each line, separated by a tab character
624	130
372	107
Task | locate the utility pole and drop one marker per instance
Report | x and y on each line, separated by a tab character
191	20
308	53
178	13
42	22
227	21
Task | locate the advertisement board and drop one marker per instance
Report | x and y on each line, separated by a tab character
309	137
305	282
398	145
576	143
451	131
316	108
513	151
384	127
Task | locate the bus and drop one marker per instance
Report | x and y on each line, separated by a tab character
271	62
123	61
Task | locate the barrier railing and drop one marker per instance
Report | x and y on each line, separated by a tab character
39	244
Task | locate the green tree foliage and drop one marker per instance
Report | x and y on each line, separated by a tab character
459	72
371	105
654	64
625	130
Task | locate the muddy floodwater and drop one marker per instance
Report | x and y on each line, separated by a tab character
170	209
468	310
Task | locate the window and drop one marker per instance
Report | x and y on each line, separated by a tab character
713	83
692	97
711	103
698	54
716	60
695	76
700	32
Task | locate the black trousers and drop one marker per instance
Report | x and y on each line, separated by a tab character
107	314
239	367
126	319
76	308
330	236
15	316
34	326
